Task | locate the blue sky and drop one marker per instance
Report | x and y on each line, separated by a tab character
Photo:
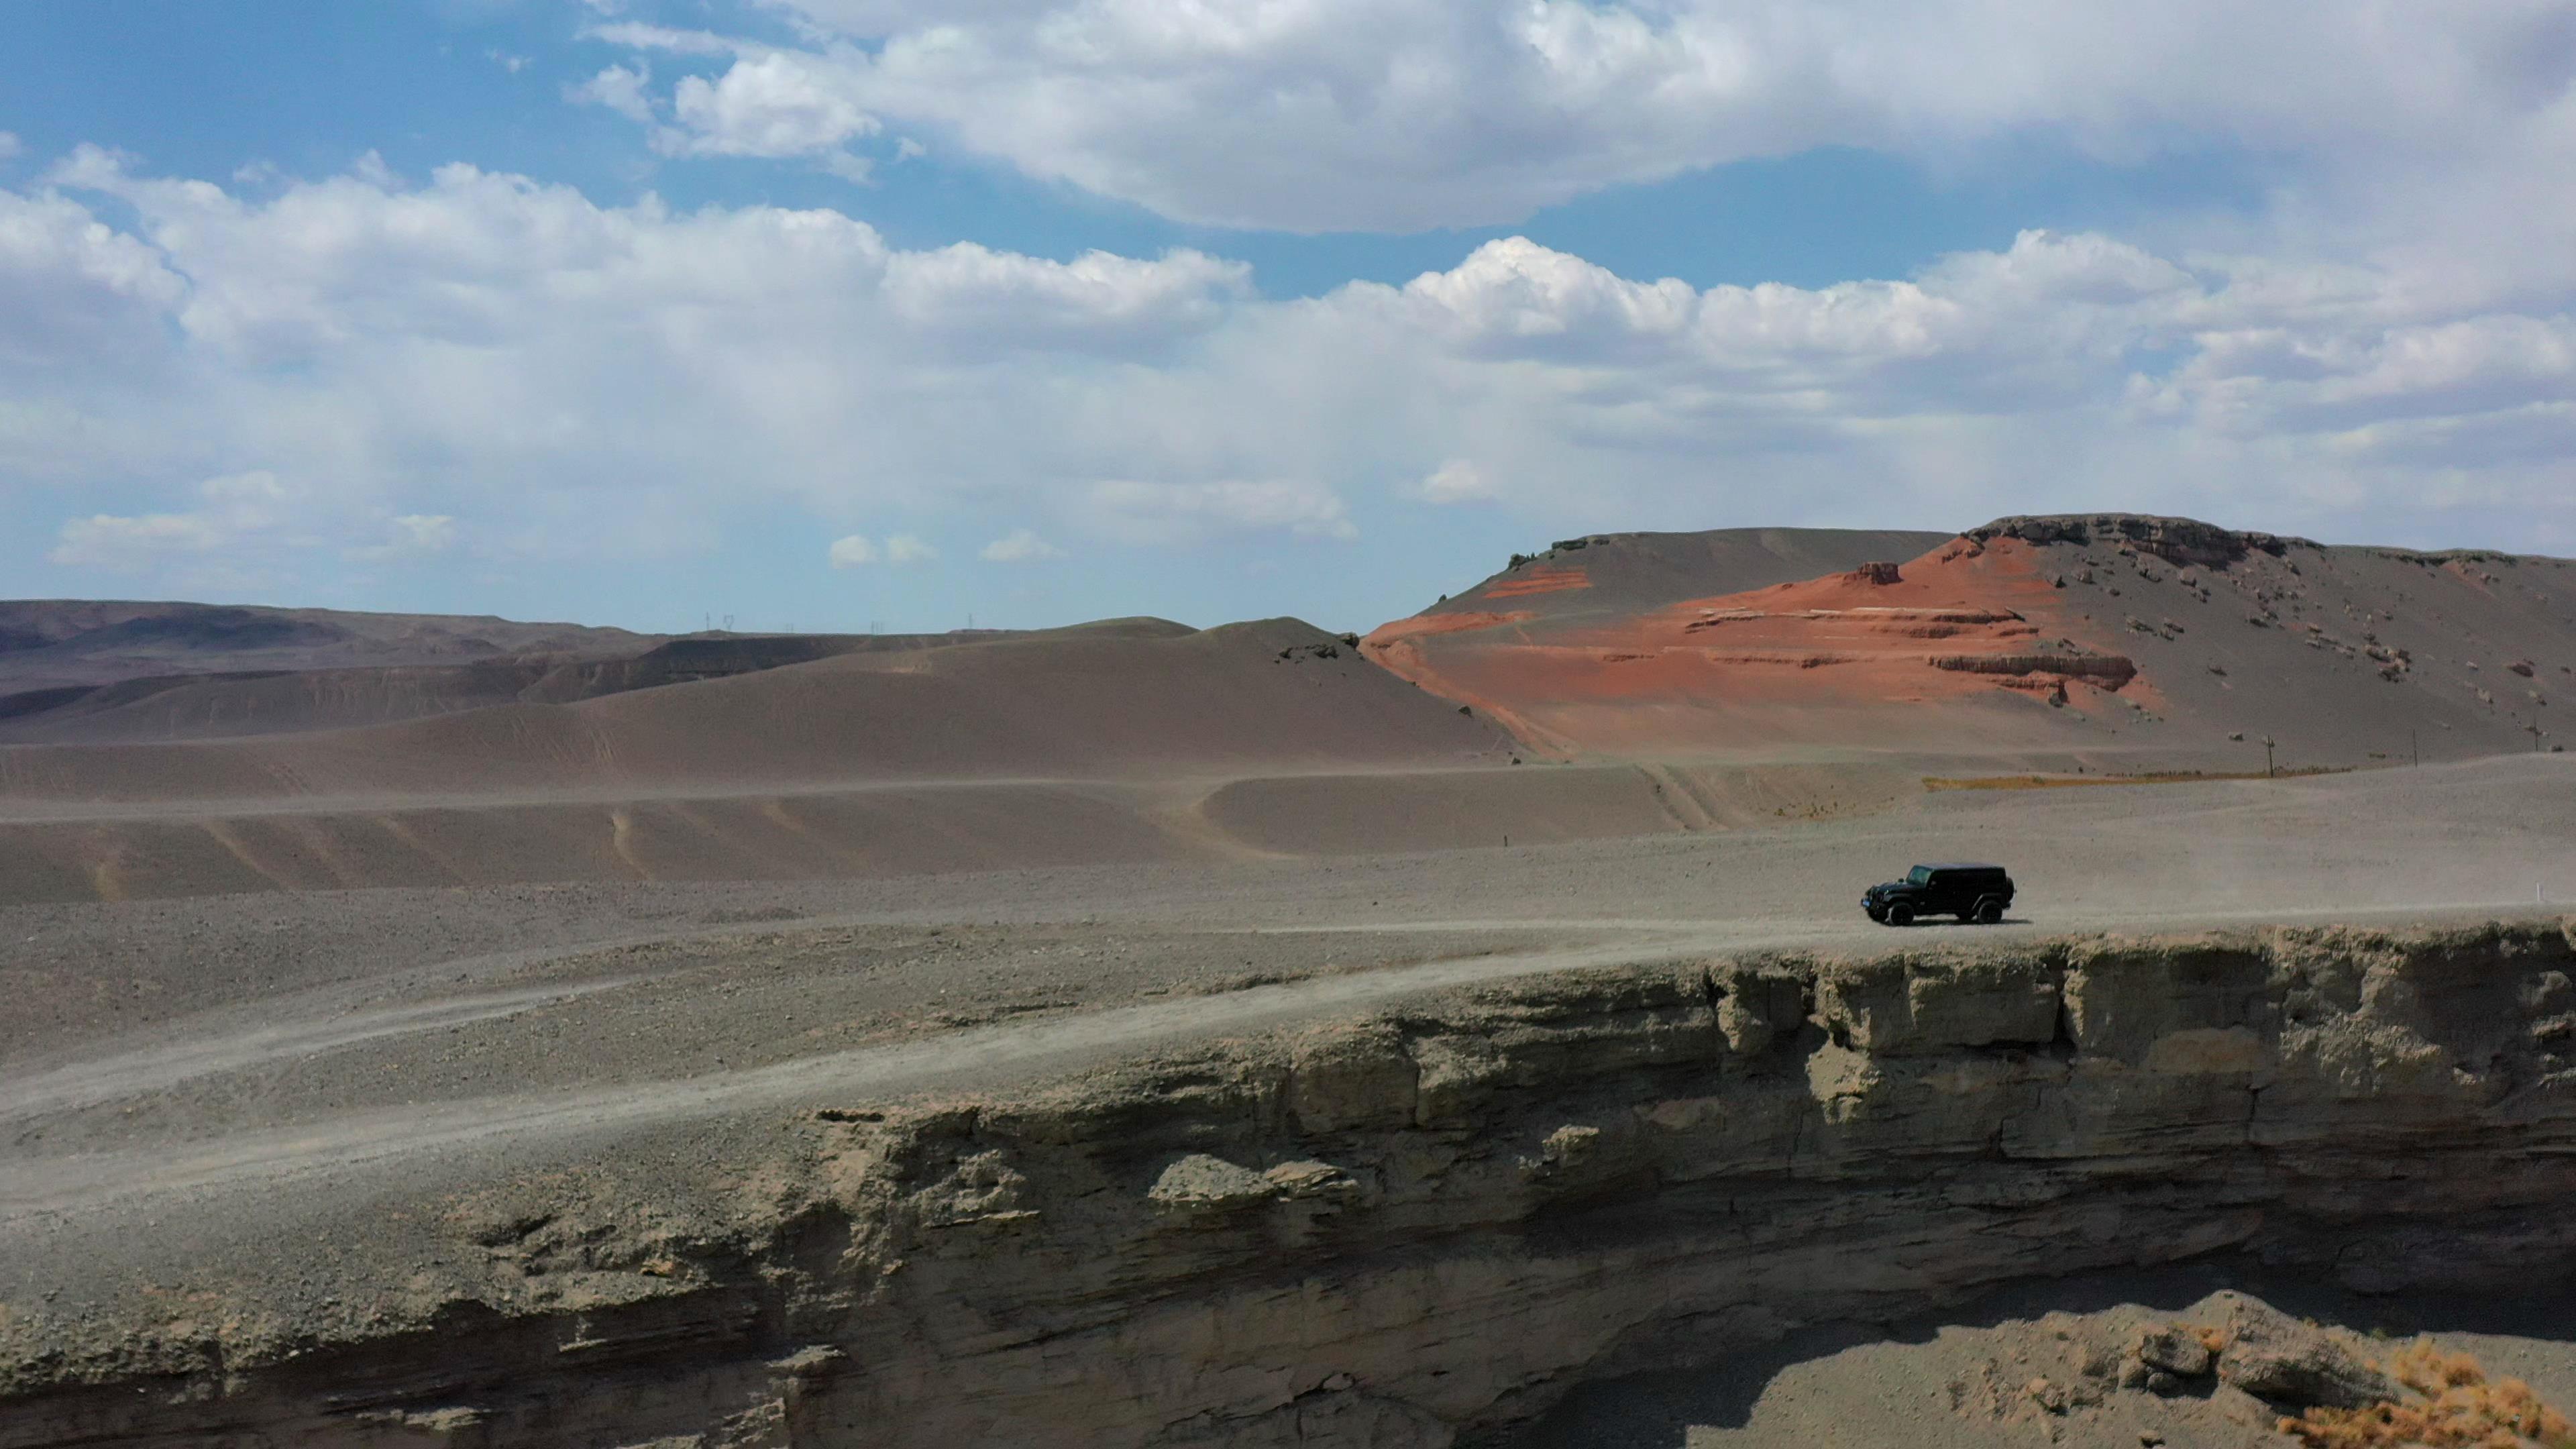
830	312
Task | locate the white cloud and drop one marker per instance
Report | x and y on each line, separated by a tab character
555	378
506	61
637	35
966	291
1020	545
235	514
1456	481
860	551
411	536
1411	114
620	89
73	293
10	146
778	104
1164	512
245	527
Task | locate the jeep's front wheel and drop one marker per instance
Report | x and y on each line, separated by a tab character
1900	915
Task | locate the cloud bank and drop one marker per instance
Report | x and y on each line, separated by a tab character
1323	115
373	369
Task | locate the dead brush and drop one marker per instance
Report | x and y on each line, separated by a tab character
2458	1407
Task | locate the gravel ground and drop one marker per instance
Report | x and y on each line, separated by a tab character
272	1086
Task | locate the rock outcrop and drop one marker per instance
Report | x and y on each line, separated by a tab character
1421	1228
2182	542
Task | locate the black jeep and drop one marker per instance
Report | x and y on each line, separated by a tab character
1980	893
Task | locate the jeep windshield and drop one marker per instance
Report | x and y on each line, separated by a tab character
1920	875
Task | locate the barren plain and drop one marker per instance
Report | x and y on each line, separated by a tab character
1147	1036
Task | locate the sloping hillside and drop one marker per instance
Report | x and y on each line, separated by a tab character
50	643
1131	697
2115	634
232	703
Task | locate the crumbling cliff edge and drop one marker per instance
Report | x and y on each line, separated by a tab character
1422	1227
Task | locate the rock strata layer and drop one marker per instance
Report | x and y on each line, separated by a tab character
1422	1228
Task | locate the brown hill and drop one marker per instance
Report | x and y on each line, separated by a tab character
49	643
2145	637
1124	698
288	701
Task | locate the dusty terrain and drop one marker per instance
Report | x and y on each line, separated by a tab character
303	1092
1137	1034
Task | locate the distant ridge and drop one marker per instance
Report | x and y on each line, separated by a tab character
2116	633
93	672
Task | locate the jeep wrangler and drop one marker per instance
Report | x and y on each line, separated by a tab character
1979	893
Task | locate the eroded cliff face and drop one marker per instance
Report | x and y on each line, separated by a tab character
1421	1228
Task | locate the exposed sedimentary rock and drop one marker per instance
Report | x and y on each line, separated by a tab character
1421	1228
2183	542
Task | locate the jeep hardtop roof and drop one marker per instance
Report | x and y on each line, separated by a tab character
1958	865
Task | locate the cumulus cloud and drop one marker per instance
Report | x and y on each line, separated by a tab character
237	510
778	104
479	357
1456	481
973	293
412	535
1176	511
75	293
860	551
769	102
1409	114
620	89
1020	545
245	527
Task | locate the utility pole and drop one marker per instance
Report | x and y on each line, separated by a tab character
2415	744
2267	757
2534	730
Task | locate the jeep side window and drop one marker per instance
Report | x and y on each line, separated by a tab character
1920	875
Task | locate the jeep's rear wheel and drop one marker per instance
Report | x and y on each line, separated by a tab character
1989	911
1900	915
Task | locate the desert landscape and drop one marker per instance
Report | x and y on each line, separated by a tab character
440	1031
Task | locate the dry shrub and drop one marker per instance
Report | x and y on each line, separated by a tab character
2456	1407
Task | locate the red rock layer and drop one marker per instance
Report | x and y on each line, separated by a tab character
1972	618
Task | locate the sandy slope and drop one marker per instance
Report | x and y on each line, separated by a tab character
1106	742
1129	698
237	702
